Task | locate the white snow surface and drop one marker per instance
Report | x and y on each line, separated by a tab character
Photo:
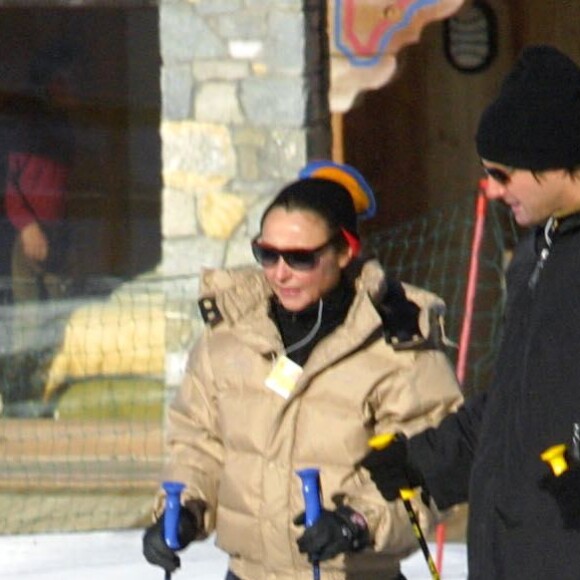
116	555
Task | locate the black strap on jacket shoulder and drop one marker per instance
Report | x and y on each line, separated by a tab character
209	311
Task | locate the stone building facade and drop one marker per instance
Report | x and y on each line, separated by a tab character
244	87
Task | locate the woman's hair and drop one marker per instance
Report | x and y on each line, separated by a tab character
327	199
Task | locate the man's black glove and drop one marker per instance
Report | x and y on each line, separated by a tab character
565	489
391	469
341	530
155	549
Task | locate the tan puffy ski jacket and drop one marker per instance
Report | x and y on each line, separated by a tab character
237	444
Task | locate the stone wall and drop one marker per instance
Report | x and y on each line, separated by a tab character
244	105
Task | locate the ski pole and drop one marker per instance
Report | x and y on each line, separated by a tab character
380	442
558	456
406	495
467	321
173	491
555	457
311	492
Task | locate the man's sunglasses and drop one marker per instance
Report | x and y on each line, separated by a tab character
502	176
298	259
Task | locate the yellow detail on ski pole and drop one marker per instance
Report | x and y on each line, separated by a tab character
554	456
381	441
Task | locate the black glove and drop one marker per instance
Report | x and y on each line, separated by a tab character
565	489
400	316
341	530
155	549
391	469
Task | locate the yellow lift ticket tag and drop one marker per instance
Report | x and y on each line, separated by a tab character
284	376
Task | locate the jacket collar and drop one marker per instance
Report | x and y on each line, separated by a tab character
233	294
236	293
240	298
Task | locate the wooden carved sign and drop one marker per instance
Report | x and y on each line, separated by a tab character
366	36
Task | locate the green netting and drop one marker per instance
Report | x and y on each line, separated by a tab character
434	252
82	428
83	385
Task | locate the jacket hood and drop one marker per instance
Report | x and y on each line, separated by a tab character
229	294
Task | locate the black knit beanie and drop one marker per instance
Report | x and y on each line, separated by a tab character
535	121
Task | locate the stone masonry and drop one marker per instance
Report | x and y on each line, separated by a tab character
244	106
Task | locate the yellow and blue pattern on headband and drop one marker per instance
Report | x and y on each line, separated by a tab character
347	176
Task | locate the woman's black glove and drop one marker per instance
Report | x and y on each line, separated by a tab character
565	489
157	552
341	530
391	469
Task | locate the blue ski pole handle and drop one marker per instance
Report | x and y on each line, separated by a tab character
311	491
312	504
173	491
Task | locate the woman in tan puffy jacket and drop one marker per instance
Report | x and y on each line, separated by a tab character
301	362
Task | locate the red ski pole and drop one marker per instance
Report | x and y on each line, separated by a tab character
465	337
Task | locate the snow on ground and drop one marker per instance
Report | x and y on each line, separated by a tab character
116	555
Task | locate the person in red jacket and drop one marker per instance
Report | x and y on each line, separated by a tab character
39	164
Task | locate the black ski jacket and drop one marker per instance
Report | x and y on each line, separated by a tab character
489	451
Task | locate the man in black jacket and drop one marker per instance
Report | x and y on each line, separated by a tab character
524	521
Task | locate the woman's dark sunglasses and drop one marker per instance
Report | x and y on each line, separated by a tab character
502	176
298	259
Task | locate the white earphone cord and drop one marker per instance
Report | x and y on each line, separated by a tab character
311	334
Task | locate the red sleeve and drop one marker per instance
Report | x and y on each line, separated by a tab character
42	181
